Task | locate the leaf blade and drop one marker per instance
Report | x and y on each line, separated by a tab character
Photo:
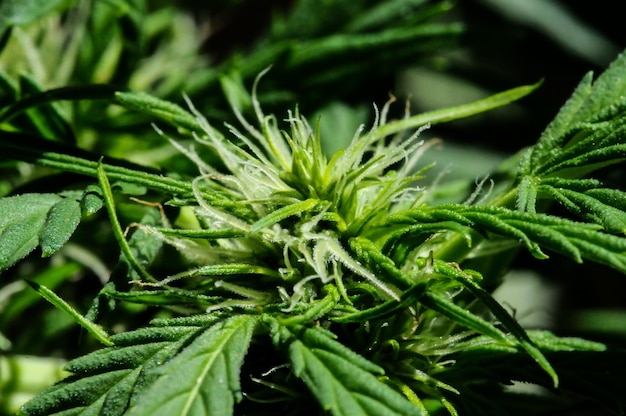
20	225
343	386
203	379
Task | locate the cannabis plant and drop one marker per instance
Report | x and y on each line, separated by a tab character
280	276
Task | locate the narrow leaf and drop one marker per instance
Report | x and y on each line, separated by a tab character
502	315
607	89
553	135
526	195
456	113
94	329
284	212
106	380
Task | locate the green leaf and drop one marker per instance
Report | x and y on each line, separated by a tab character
586	369
284	212
501	315
35	97
456	113
609	88
61	221
106	381
594	204
342	381
204	378
576	240
163	297
553	135
84	396
577	137
96	330
20	302
91	200
21	222
526	195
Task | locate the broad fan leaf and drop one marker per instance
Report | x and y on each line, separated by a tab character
344	383
203	379
588	131
108	378
202	356
589	199
535	231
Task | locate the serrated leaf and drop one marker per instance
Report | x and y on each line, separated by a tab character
588	206
106	380
566	115
577	240
607	89
594	110
342	381
588	369
462	316
60	224
526	195
587	161
204	378
75	394
22	219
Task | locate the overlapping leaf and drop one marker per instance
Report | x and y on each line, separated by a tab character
343	382
588	131
586	368
30	220
535	231
200	376
590	199
107	378
204	378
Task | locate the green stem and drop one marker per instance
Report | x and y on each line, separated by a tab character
117	228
